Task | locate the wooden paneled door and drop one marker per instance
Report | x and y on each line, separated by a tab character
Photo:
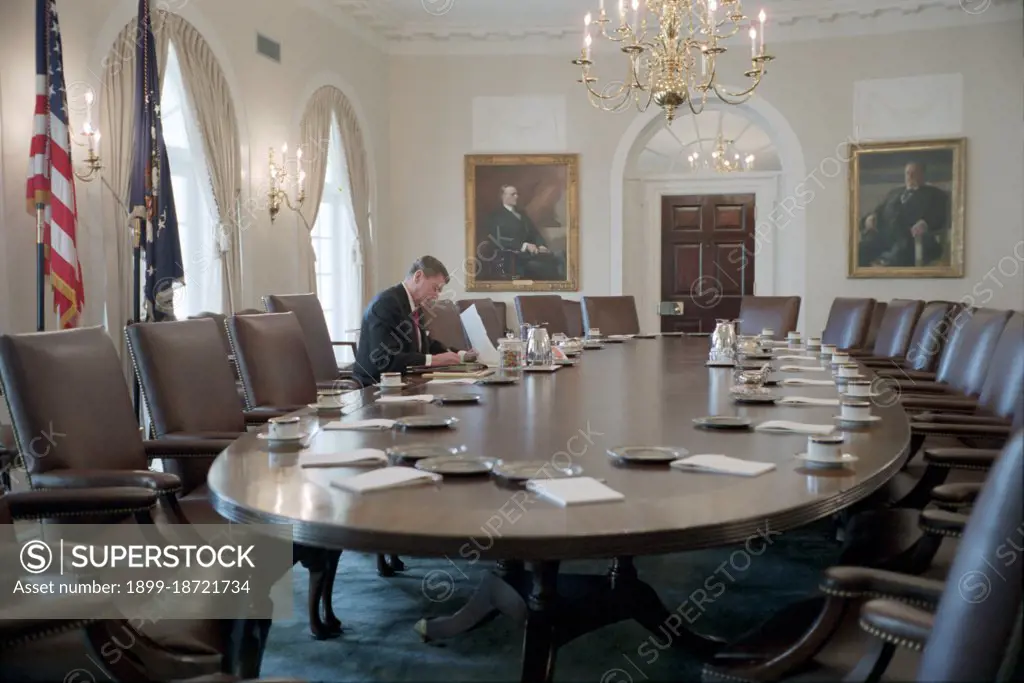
707	258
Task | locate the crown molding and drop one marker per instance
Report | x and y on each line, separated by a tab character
791	21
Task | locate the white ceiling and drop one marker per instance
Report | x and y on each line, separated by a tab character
481	21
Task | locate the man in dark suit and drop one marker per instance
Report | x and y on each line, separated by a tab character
509	228
392	337
908	228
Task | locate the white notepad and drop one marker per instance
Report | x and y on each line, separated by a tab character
722	464
361	457
385	478
453	380
373	424
573	491
799	382
794	427
802	368
807	401
414	398
814	358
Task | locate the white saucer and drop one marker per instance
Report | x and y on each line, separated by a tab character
278	439
846	459
326	407
392	386
857	420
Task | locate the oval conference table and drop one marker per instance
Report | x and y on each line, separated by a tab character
644	392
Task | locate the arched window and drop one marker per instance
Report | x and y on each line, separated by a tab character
336	245
193	198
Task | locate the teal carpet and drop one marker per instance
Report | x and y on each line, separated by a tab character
742	589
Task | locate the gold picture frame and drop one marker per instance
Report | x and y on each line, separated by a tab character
522	222
906	213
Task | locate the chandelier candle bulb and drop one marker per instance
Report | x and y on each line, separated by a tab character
622	12
753	42
762	16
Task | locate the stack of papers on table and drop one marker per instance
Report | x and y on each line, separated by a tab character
573	491
722	464
361	457
802	368
372	424
385	478
452	380
783	426
797	382
814	358
466	375
807	401
414	398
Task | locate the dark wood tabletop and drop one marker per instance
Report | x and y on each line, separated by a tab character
640	393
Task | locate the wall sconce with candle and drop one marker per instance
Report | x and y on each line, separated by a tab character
92	143
279	181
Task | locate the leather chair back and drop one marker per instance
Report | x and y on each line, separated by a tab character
974	627
186	382
69	402
444	324
928	341
1002	394
489	314
310	314
876	322
220	319
975	335
573	317
250	311
895	328
777	313
542	308
848	323
501	308
270	351
610	314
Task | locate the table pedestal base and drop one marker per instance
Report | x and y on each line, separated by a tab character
557	609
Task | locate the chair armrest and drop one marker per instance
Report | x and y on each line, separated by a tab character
162	482
962	419
75	502
261	415
960	430
181	449
908	375
908	387
350	344
954	403
955	496
201	436
896	623
964	458
863	583
942	523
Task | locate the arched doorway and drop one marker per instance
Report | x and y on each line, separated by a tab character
642	170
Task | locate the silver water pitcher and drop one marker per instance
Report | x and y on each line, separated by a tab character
538	347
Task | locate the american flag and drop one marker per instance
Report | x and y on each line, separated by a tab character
51	181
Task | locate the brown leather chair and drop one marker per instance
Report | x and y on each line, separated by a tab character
777	313
877	315
546	310
73	379
443	323
220	320
501	308
573	317
968	625
890	338
926	343
611	314
848	323
310	314
273	361
492	316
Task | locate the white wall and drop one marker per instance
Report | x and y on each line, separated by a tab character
270	99
811	84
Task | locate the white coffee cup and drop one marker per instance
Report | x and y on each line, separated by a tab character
390	379
284	428
855	409
840	357
858	387
793	335
826	448
828	349
593	333
814	342
768	333
849	370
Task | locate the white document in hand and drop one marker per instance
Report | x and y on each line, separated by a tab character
478	339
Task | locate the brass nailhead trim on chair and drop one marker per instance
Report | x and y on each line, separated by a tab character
867	595
48	631
941	532
889	638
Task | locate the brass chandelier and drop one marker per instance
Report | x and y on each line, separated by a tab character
724	158
671	49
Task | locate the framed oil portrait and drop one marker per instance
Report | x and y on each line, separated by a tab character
522	222
907	209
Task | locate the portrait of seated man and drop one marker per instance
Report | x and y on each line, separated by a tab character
519	247
909	227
